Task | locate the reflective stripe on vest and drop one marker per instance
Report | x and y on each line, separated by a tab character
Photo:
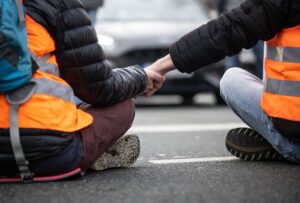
282	87
51	107
46	65
55	89
50	68
47	102
284	54
281	95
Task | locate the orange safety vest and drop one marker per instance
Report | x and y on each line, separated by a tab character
52	106
281	95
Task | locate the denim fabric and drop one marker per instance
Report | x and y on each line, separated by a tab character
242	91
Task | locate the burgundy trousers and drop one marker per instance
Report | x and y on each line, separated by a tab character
109	124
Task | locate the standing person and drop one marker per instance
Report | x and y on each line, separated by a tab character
58	136
270	106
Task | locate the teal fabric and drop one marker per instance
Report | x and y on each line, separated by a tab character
15	62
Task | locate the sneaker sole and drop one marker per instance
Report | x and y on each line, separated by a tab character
259	153
122	154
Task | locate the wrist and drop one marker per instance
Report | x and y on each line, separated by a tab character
165	64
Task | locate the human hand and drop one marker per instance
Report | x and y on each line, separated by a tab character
155	81
160	67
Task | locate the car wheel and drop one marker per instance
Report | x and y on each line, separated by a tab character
188	100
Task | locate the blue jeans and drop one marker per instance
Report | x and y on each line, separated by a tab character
242	91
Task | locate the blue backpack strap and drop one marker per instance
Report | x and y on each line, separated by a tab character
21	13
15	62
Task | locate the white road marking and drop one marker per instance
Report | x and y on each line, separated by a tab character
184	127
193	160
179	157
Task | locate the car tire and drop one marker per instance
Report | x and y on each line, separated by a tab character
188	100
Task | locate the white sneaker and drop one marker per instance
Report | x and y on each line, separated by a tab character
121	154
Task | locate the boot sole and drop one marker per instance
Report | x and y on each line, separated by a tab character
122	154
257	153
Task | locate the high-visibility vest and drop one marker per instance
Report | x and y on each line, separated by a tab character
52	105
281	95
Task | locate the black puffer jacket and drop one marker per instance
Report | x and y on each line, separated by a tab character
240	28
80	58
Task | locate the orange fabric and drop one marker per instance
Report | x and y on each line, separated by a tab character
36	115
280	106
40	74
282	70
52	60
287	38
39	40
44	111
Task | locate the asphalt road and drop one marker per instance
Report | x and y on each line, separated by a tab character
183	159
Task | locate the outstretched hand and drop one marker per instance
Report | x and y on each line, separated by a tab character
156	72
155	81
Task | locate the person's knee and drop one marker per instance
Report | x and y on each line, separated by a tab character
229	81
127	111
130	106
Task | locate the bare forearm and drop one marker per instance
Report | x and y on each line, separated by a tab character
164	65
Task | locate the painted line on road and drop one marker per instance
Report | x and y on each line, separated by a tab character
193	160
184	127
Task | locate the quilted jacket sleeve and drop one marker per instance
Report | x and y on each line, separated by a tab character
240	28
81	59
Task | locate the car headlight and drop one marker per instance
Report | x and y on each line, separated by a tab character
105	40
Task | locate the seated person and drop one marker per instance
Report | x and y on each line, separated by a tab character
57	135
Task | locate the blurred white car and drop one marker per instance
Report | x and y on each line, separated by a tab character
141	31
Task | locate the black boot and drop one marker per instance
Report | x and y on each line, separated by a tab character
249	145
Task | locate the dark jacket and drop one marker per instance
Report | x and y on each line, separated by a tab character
240	28
80	58
82	64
